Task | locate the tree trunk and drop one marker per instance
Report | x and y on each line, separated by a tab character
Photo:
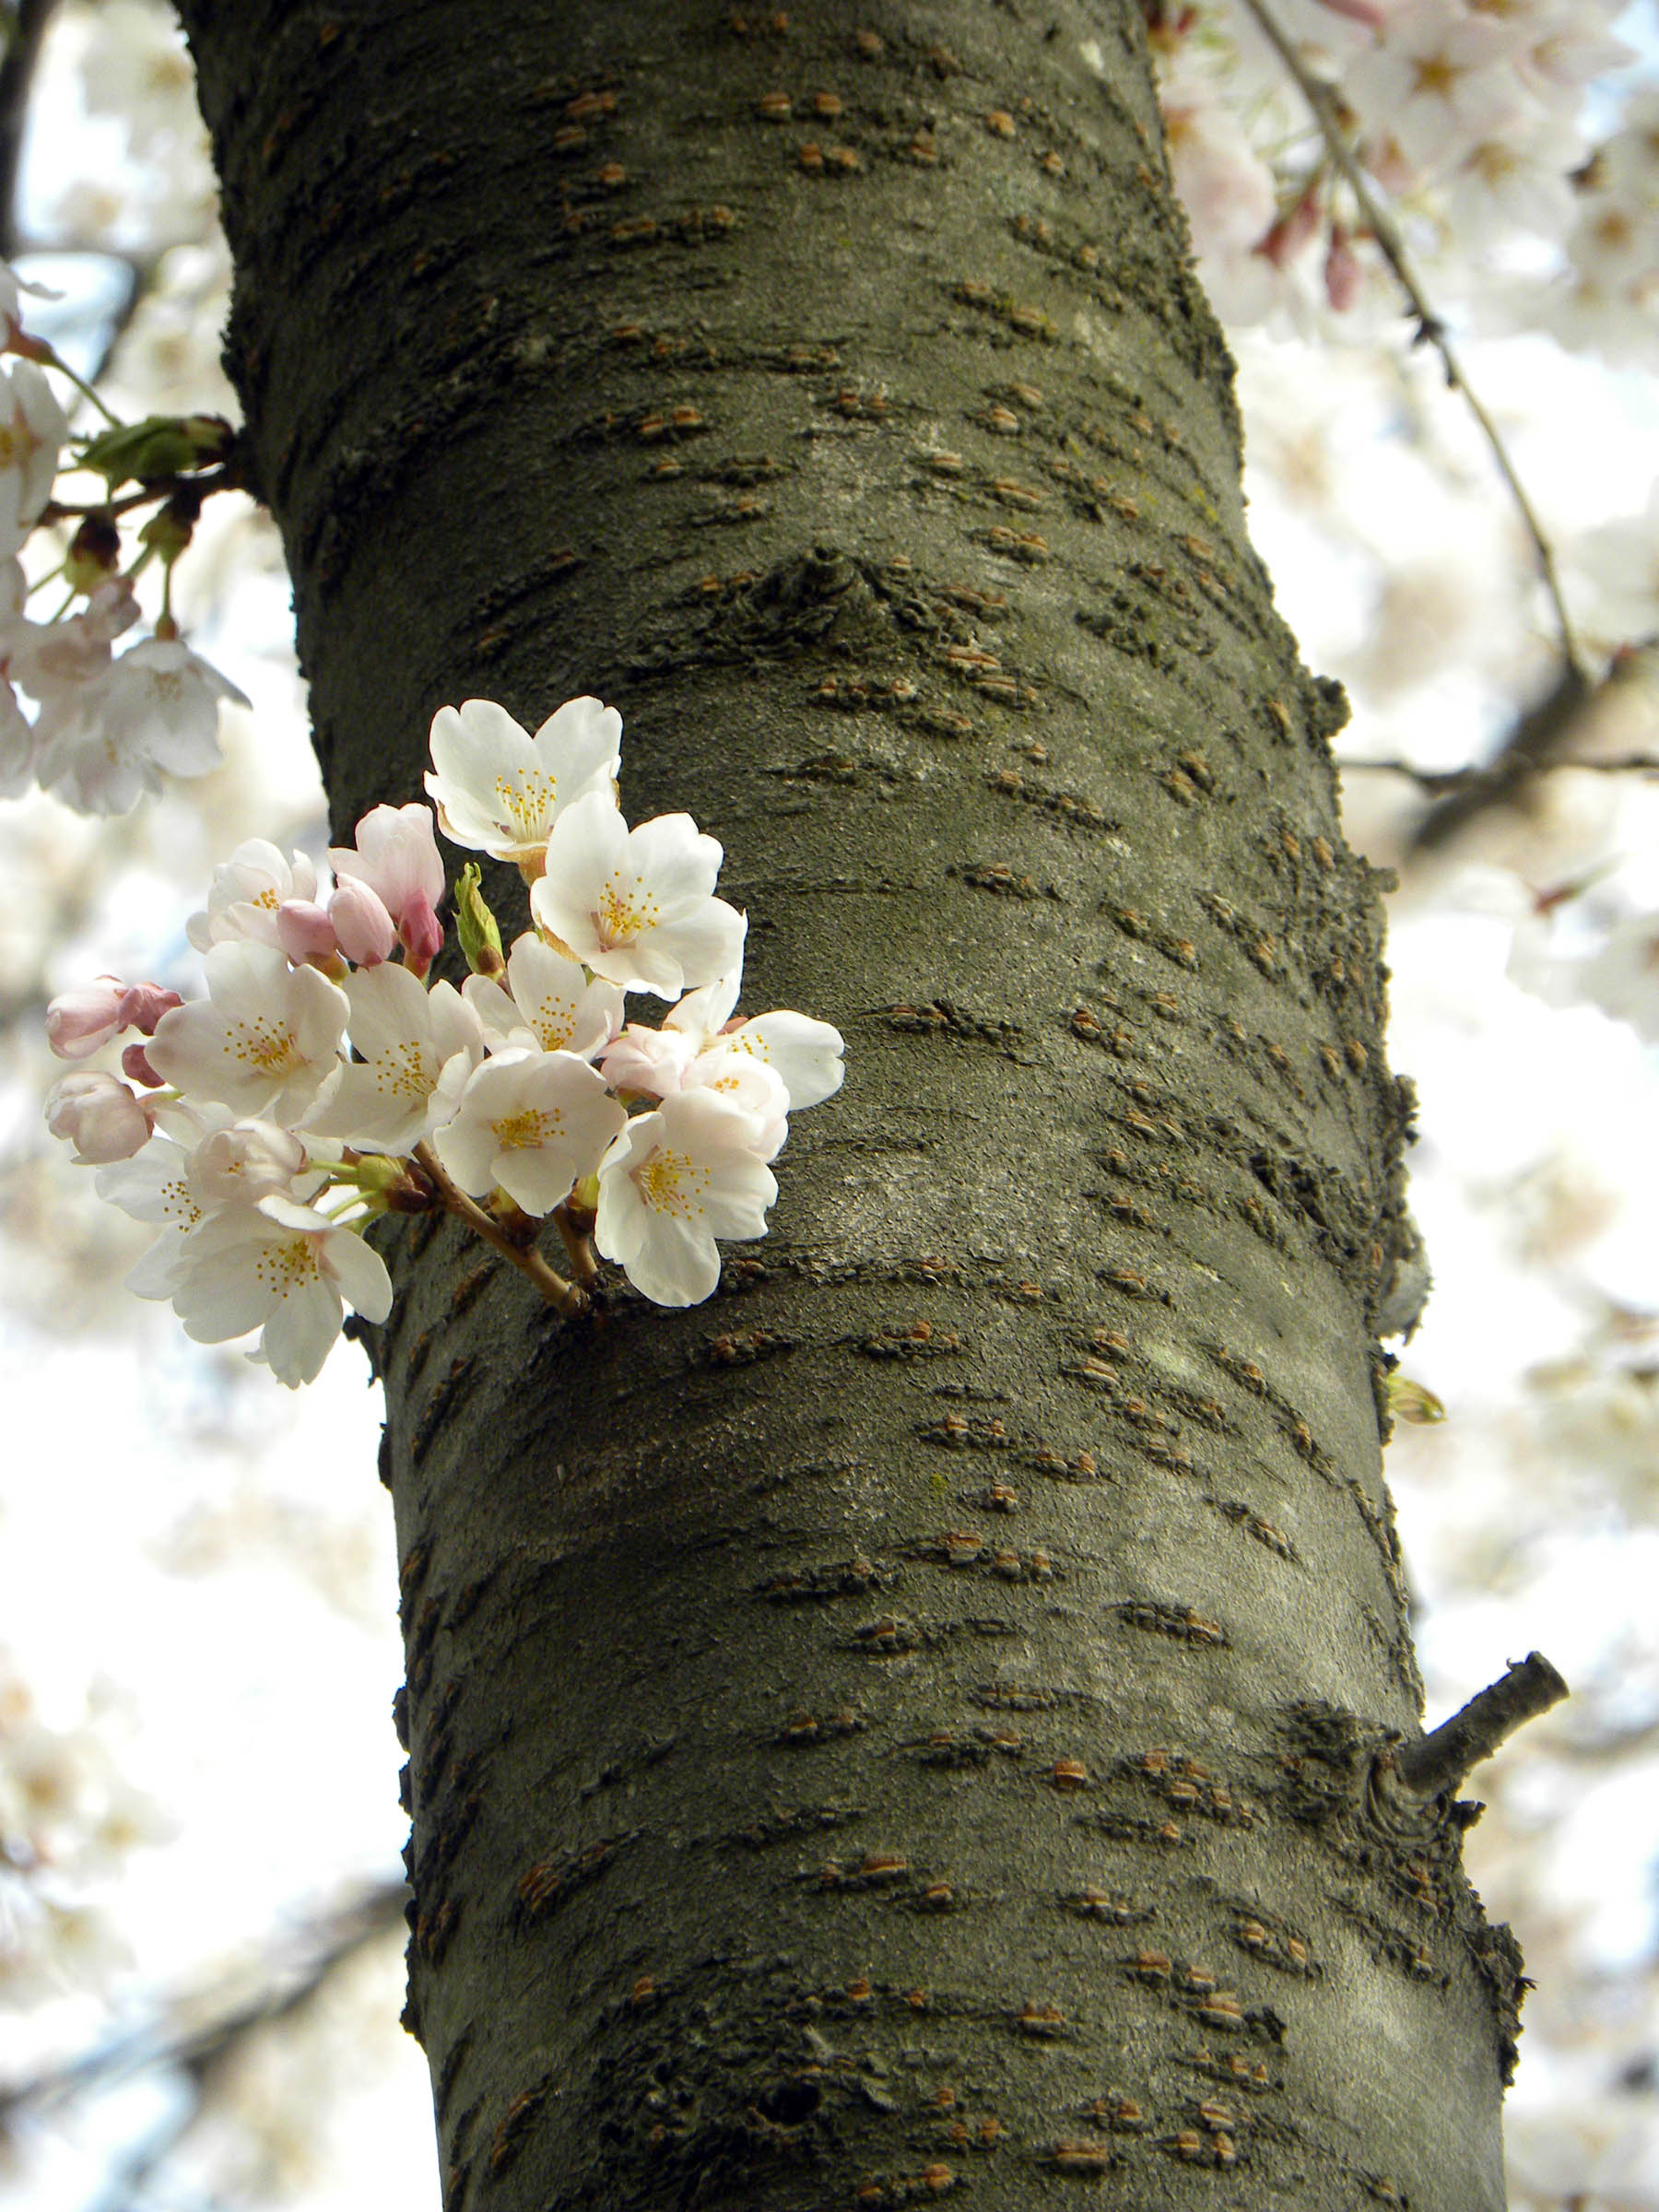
920	1722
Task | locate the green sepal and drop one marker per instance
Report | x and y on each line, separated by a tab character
475	925
160	447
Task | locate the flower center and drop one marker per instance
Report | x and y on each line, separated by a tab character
669	1183
528	1130
284	1268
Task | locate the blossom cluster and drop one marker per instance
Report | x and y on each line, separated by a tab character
1470	121
325	1078
107	725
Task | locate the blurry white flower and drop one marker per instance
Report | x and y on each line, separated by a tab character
33	430
103	742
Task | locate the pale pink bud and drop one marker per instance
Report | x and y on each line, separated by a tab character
78	1022
135	1062
1367	12
1343	274
305	931
421	932
1292	232
365	930
143	1005
396	855
98	1116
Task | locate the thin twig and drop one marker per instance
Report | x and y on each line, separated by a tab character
568	1300
1438	1762
1435	781
1429	328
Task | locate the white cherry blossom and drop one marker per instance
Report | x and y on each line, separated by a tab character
699	1035
673	1182
266	1041
532	1123
417	1048
637	906
499	790
247	891
549	1004
280	1267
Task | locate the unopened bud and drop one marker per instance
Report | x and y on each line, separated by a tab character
479	932
134	1063
141	1006
365	930
159	447
306	934
94	554
422	934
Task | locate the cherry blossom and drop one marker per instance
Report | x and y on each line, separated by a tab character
280	1267
671	1183
102	743
549	1003
417	1048
499	790
266	1041
532	1123
698	1035
247	892
637	906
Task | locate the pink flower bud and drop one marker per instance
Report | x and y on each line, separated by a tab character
1343	274
134	1063
396	855
1369	12
305	931
98	1116
421	933
365	930
143	1005
78	1022
1293	230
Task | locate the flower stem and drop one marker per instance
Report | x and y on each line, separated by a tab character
577	1229
566	1297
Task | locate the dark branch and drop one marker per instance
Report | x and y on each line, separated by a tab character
1438	1762
24	32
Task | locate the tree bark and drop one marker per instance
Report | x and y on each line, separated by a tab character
920	1722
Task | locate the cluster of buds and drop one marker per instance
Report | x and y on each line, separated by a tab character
326	1079
106	727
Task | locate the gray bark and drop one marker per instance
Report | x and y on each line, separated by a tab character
910	1725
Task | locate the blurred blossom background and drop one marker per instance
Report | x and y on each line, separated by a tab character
200	1902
